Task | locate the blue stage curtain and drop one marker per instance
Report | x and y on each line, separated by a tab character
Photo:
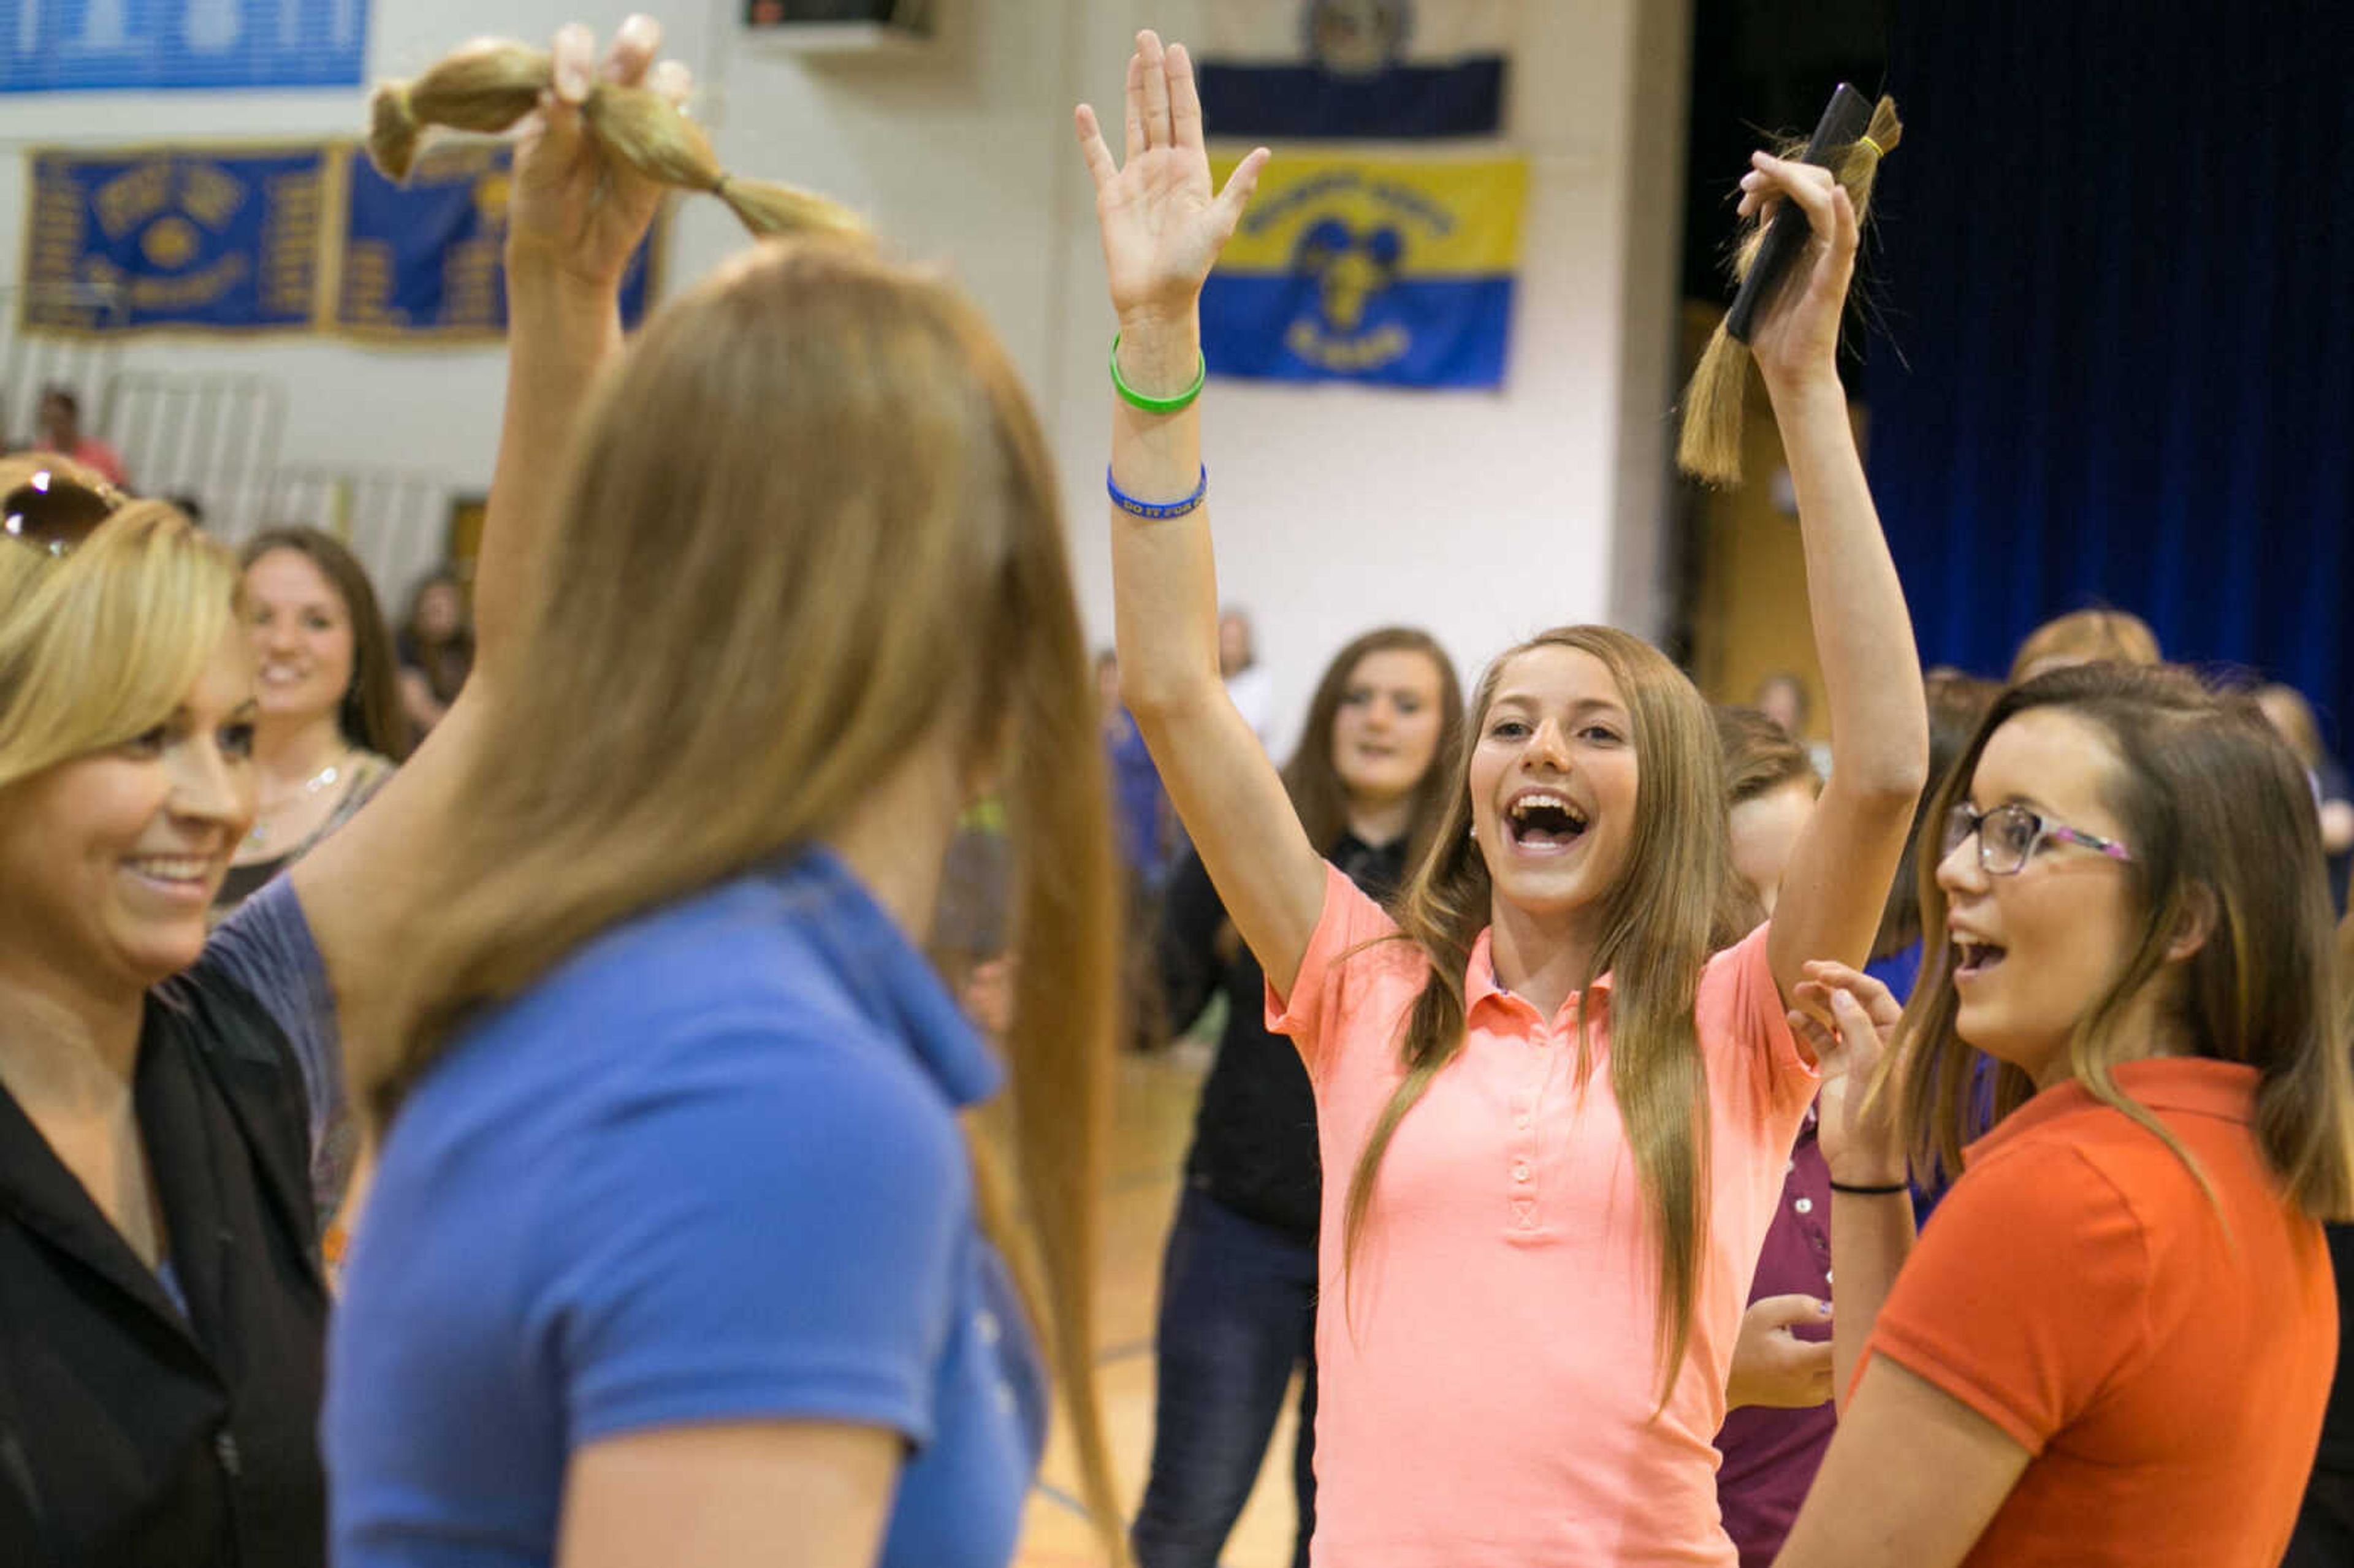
2116	248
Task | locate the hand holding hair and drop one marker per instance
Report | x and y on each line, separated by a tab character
1833	203
492	85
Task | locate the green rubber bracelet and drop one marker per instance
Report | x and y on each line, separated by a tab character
1157	405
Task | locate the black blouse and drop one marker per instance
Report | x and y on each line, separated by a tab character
131	1434
1255	1134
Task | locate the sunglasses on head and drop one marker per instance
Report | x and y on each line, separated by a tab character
52	510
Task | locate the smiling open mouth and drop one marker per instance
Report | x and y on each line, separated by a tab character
1976	957
1545	821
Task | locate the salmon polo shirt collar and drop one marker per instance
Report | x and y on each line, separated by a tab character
2197	1086
1481	985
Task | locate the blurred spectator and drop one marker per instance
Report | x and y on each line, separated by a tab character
2086	637
973	928
1770	789
1146	825
436	648
331	727
1248	684
60	431
1782	697
2292	715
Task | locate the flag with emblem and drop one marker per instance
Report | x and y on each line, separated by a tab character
1396	271
1351	68
211	239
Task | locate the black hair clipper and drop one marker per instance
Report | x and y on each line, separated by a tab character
1850	112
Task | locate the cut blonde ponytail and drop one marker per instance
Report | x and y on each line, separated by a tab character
1714	402
489	86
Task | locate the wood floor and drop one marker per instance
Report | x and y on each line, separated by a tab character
1155	1118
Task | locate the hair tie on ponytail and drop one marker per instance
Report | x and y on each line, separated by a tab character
489	86
1869	145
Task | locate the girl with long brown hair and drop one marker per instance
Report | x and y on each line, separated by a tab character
677	1250
331	727
1554	1125
1238	1280
2115	1344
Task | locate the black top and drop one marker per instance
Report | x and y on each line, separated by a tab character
1255	1136
131	1434
2337	1454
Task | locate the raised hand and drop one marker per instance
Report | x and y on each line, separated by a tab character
1796	335
1163	223
574	214
1847	1017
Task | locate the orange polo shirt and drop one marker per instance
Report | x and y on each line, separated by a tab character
2165	1365
1487	1373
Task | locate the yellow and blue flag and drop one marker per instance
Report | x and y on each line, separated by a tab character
1396	271
222	239
1352	68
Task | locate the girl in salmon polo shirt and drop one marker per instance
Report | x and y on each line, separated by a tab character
2115	1344
1553	1125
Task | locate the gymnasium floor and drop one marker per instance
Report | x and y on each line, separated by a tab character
1155	1116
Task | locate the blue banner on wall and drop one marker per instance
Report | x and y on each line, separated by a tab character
1352	68
81	46
424	259
223	241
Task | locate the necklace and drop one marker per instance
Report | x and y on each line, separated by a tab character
310	787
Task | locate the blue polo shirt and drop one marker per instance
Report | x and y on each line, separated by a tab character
708	1169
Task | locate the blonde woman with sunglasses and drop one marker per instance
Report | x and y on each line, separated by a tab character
169	1105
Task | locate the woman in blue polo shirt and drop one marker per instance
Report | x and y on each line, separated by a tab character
677	1251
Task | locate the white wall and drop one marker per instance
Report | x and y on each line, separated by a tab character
1482	516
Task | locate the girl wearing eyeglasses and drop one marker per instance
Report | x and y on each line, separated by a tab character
2115	1344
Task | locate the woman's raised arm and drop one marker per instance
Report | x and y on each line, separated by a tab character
1840	870
575	217
1163	226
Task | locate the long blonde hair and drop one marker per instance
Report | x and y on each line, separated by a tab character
1677	902
102	644
490	84
2218	814
810	525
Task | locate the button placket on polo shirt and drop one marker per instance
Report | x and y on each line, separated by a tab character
1523	1191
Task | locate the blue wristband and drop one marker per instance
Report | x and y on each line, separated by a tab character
1158	510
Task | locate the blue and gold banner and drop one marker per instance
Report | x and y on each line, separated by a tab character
1396	271
423	260
224	240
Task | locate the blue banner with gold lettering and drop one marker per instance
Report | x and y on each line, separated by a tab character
215	241
423	260
1395	271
